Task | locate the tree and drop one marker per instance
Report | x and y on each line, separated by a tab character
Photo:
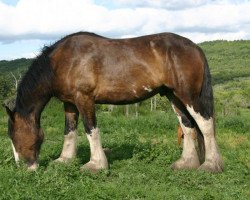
16	79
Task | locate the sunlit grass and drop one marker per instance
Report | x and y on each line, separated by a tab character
141	152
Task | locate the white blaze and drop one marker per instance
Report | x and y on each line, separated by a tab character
16	156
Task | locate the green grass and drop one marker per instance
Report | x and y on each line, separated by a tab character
143	148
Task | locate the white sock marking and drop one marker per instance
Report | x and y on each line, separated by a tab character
98	156
189	151
207	128
69	145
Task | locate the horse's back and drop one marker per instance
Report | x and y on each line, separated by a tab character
123	69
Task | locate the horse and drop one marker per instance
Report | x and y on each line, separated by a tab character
84	69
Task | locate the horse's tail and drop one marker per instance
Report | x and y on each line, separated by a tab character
201	145
206	95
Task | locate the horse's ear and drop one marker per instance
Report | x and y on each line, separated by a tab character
9	105
10	113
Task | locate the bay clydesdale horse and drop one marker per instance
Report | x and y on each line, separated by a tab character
84	69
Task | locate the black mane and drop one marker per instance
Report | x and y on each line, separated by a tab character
35	83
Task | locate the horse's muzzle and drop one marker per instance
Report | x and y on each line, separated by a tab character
32	166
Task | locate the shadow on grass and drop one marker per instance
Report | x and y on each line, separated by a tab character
118	152
113	153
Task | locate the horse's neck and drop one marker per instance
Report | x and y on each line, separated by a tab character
33	109
40	106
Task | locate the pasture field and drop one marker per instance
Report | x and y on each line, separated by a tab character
141	149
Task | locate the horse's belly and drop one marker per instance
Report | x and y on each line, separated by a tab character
124	94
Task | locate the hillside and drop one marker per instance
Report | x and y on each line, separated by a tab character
14	66
230	68
228	60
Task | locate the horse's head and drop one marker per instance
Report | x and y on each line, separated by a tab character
26	138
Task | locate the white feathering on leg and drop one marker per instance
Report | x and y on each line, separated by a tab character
189	158
213	161
97	154
69	147
98	158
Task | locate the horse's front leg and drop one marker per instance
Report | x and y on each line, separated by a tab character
70	134
98	160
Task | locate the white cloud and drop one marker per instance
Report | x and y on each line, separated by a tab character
163	4
201	37
52	19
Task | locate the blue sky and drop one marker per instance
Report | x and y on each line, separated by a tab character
27	25
10	2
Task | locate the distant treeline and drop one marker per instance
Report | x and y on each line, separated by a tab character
10	73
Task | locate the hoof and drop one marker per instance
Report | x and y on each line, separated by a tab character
93	167
63	160
213	167
185	164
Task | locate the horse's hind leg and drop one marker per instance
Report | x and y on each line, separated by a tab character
70	135
213	161
98	158
189	158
